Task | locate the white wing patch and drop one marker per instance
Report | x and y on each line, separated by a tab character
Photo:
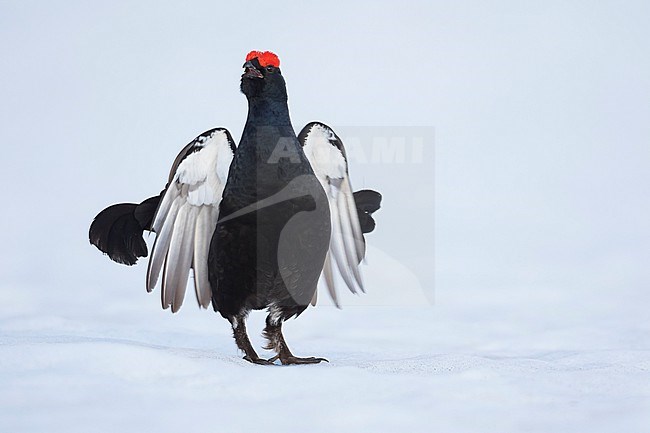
347	247
186	219
325	158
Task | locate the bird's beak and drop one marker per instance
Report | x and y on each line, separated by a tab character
251	71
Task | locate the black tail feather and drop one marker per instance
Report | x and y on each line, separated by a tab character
368	202
146	210
117	230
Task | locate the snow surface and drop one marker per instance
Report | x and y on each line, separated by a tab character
533	317
474	361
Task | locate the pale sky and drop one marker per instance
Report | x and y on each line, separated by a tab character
540	112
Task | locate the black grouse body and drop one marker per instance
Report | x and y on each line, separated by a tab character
256	225
280	224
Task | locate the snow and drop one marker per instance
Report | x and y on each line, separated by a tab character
489	361
529	316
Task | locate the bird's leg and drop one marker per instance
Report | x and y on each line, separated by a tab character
238	324
273	333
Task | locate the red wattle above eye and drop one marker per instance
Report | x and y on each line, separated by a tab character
266	58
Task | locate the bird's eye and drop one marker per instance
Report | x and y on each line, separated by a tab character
269	68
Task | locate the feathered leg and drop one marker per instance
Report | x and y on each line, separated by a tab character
273	333
238	324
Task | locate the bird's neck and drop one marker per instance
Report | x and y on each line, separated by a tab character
268	112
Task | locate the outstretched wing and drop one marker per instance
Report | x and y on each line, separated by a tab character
187	216
326	154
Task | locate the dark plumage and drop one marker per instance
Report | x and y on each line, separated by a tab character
257	223
116	231
367	202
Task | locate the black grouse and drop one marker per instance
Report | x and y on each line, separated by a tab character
258	224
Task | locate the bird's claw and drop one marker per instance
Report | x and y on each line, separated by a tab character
295	360
258	361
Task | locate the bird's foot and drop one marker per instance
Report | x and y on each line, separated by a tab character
289	360
273	333
258	360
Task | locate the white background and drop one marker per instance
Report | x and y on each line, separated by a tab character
532	317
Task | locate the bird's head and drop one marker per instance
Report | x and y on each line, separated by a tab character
262	76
